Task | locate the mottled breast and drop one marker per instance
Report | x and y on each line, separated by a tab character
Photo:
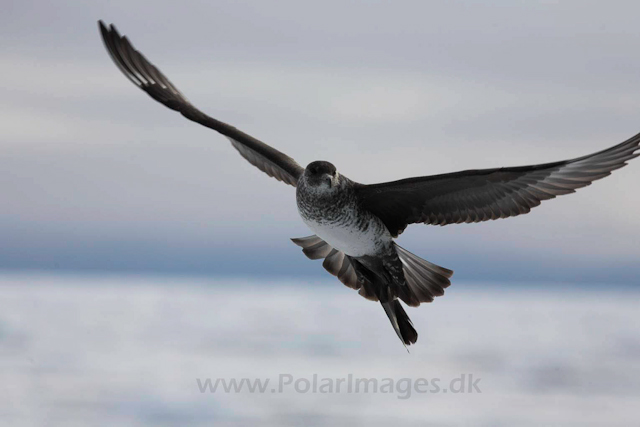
336	217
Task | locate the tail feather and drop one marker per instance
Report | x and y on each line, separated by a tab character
425	279
313	247
400	322
335	261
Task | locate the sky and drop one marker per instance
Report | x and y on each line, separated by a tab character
95	176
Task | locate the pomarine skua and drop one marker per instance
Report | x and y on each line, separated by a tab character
355	224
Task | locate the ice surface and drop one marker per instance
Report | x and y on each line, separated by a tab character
129	351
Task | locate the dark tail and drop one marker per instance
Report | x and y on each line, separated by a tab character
400	322
426	280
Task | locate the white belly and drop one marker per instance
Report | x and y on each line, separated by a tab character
350	240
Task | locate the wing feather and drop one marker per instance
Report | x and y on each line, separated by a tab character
150	79
489	194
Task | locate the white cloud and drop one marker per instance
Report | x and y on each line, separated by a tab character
80	144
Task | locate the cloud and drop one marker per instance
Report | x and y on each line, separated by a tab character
383	92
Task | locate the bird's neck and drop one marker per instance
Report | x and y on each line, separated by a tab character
312	199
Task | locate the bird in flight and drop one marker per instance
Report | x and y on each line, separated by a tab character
355	224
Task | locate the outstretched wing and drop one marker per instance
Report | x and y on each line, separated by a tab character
481	195
148	78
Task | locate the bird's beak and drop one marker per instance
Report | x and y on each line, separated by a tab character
328	179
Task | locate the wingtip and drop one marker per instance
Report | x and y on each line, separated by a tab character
104	29
104	32
107	29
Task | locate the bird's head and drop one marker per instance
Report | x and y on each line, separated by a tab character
321	174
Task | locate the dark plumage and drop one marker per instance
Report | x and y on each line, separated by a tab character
355	223
482	195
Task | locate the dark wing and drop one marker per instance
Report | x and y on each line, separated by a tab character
148	78
481	195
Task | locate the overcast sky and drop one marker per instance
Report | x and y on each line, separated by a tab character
94	175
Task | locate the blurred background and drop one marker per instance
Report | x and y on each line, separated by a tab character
140	252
